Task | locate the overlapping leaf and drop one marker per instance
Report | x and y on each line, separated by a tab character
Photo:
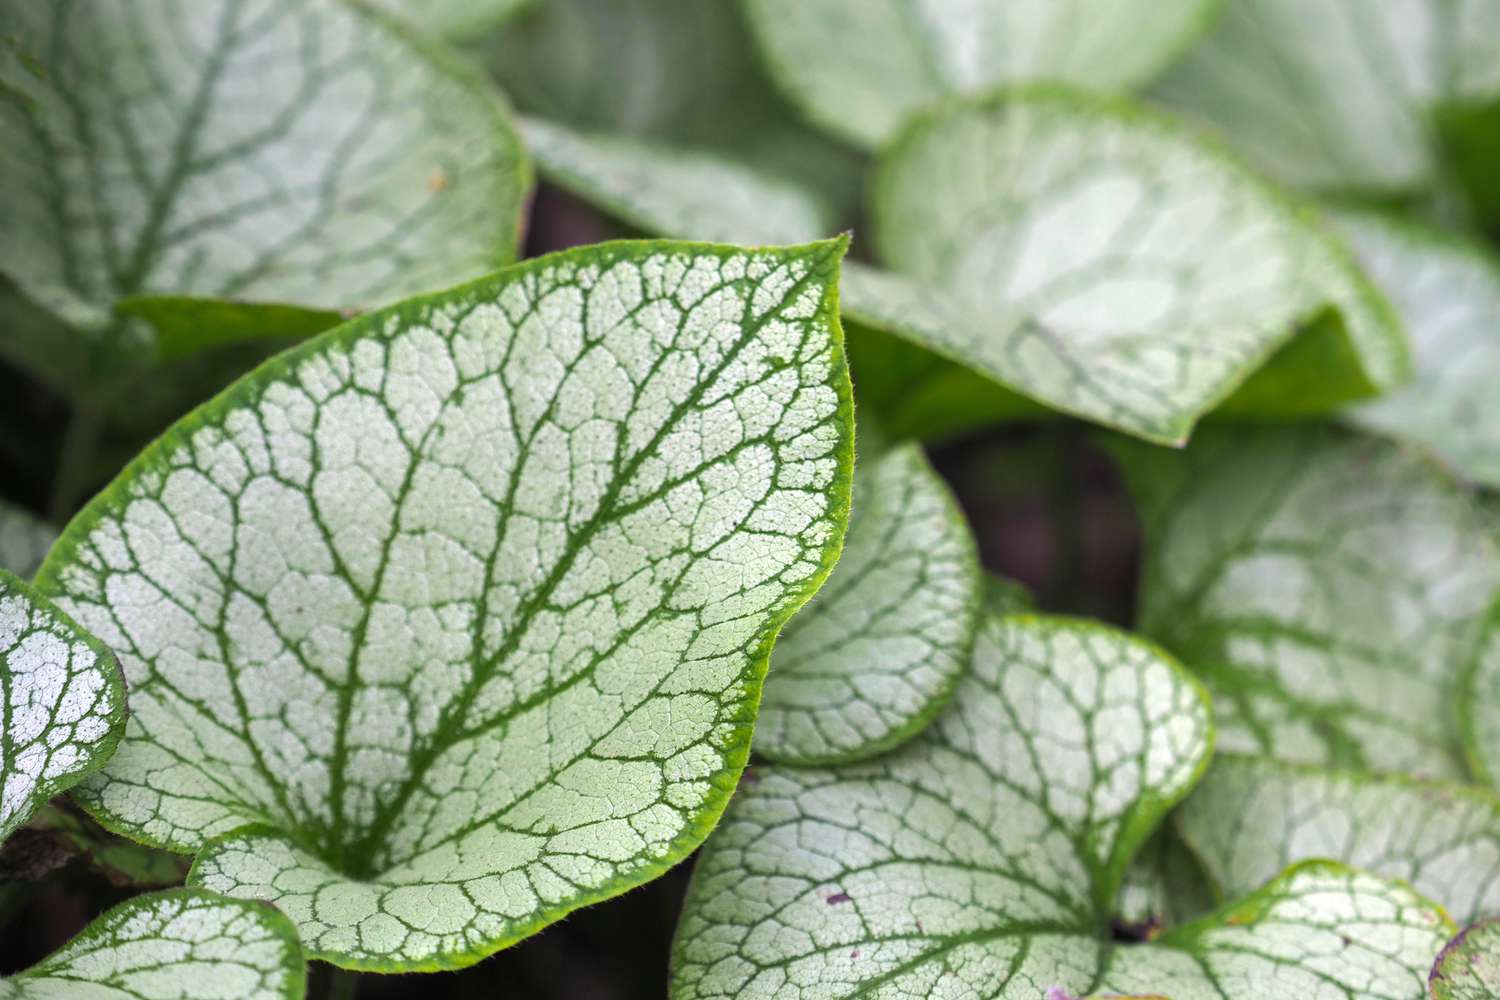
983	858
1337	94
458	20
454	619
179	945
1478	700
858	68
876	654
1101	261
62	704
24	540
1325	585
270	152
1448	294
1469	966
1252	817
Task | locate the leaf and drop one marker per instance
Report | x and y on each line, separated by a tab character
182	944
454	619
458	20
1325	586
1004	596
1251	817
874	657
859	69
24	540
1468	968
1100	260
983	858
1448	293
1478	699
220	150
1163	887
1336	96
62	704
59	833
678	191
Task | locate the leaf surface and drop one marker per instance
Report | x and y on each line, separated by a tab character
1325	585
983	858
182	944
1447	291
24	540
874	656
1478	700
1250	818
1469	966
458	20
860	68
454	619
62	704
1102	261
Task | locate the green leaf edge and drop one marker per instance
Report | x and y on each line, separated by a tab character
1464	708
104	749
1296	213
724	784
978	583
270	917
756	16
1453	949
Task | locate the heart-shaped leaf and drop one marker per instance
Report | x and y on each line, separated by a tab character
859	68
875	655
1325	95
1251	817
319	154
983	858
1447	291
24	540
62	703
1325	585
1469	966
454	619
1102	261
178	945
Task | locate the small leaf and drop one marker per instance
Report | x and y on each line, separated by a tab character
62	704
1165	886
1468	968
24	540
875	655
1102	261
1448	293
1478	700
1251	817
454	619
68	834
860	68
1325	585
1003	596
983	858
182	944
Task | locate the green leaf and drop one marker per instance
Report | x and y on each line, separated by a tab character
678	191
1163	887
185	326
454	619
860	68
1468	968
62	704
1478	699
24	540
179	945
1003	596
874	657
1336	95
1252	817
1447	291
317	154
1325	586
983	858
458	20
68	834
1100	260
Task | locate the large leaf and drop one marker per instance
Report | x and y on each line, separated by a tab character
983	858
1447	291
876	654
180	945
1103	262
1478	700
62	703
1325	585
454	619
24	540
859	68
1336	94
1469	966
318	154
1251	817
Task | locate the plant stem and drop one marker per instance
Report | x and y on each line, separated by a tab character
79	444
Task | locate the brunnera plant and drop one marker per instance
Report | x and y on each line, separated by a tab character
372	598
